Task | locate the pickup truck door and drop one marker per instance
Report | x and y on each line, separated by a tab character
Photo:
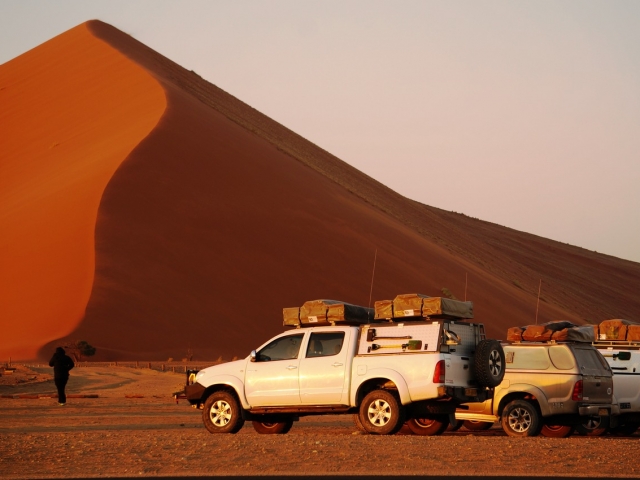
323	368
273	378
626	378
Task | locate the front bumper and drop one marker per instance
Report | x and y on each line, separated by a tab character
194	392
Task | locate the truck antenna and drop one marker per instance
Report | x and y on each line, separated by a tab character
375	257
538	304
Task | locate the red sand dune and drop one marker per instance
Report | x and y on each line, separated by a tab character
149	212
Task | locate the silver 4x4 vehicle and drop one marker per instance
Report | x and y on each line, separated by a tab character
548	388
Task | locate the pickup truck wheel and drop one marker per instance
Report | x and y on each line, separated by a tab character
273	428
454	424
593	426
358	423
489	363
557	431
221	413
477	426
428	426
381	413
520	418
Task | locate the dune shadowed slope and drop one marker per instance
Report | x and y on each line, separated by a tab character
181	218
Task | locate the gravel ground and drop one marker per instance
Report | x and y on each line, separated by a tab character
135	428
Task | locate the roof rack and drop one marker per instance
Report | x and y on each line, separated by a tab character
617	343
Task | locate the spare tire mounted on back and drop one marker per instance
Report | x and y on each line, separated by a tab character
489	363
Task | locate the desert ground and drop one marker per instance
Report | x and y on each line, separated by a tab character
124	422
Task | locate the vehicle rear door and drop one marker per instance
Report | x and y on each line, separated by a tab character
597	381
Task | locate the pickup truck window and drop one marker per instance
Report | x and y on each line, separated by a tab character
283	348
325	344
561	357
530	358
590	360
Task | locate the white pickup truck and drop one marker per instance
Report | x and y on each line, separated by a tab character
624	360
414	371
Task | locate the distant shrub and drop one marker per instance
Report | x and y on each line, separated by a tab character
80	349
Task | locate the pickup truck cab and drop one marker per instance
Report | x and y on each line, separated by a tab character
385	374
548	387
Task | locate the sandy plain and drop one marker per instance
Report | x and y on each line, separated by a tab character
134	428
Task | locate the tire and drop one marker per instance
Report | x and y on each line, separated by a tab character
221	413
381	413
520	418
358	423
428	426
477	426
454	424
594	426
405	430
557	431
625	430
272	428
489	363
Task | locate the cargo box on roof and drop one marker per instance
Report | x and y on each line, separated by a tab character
439	307
291	316
415	305
615	329
408	305
383	309
559	330
326	312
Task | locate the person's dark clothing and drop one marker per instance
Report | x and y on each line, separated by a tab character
61	364
61	383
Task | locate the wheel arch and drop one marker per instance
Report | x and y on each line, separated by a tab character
531	394
381	380
230	384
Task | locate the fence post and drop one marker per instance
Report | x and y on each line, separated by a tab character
149	364
163	367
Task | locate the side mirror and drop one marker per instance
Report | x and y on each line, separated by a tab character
253	355
623	356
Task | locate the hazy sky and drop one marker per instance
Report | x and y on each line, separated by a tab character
522	113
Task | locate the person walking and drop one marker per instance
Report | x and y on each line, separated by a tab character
61	364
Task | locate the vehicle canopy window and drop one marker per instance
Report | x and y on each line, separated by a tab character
562	357
283	348
325	344
526	358
590	360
